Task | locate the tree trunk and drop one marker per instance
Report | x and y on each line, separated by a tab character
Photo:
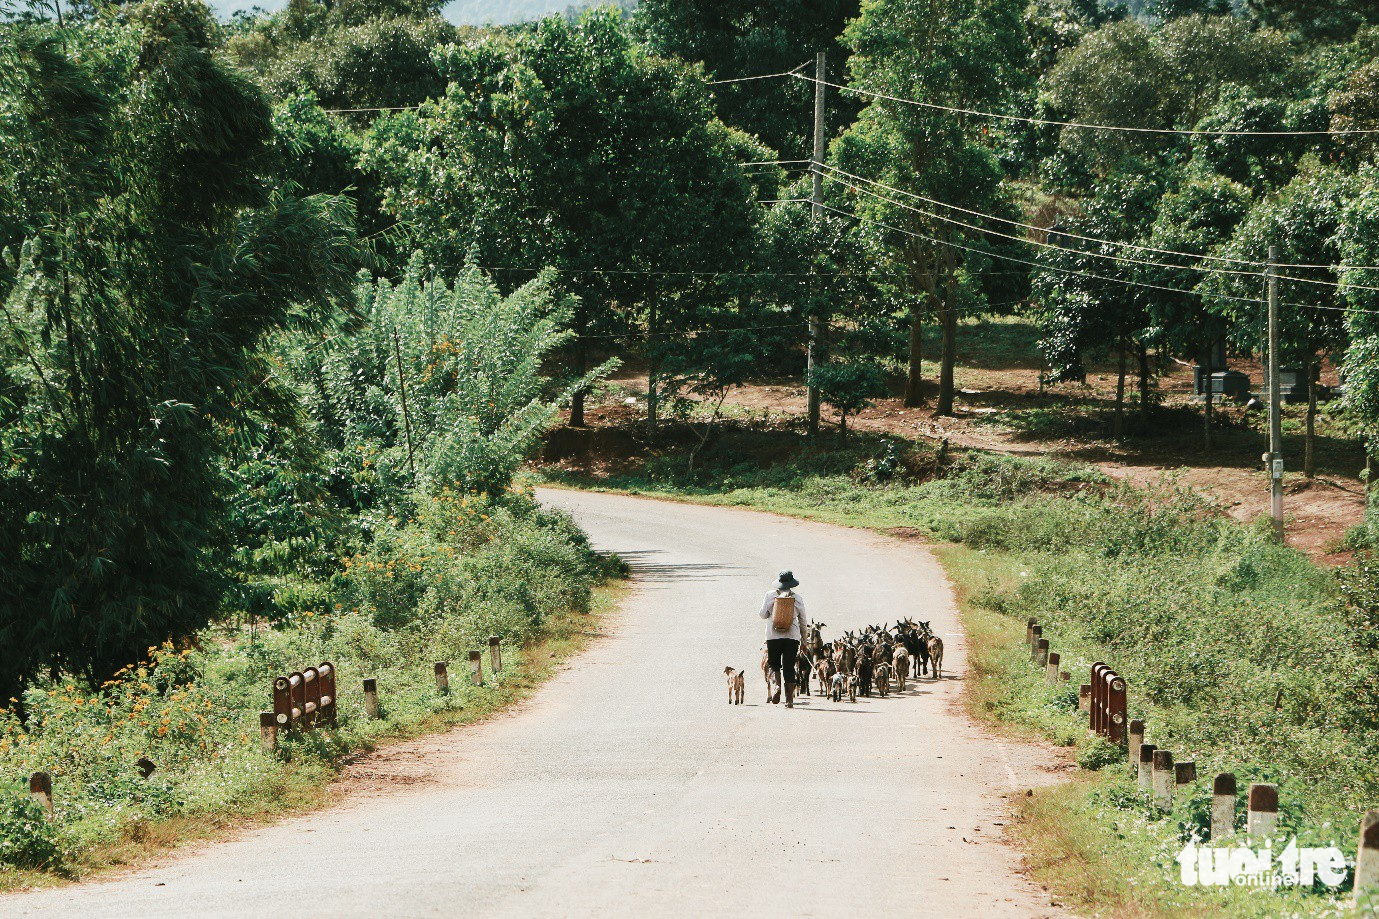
1118	425
1144	381
1207	371
1371	470
948	357
1309	457
914	372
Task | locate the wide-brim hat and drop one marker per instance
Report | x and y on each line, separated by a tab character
786	580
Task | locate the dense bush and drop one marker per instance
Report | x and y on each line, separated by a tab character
467	568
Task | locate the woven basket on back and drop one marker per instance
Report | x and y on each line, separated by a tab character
783	612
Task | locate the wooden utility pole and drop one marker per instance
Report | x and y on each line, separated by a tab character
816	198
651	374
1275	455
406	418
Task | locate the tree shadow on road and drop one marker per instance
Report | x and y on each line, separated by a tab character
645	568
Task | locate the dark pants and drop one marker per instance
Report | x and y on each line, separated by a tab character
781	652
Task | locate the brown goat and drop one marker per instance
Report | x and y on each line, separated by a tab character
902	666
737	684
936	655
883	679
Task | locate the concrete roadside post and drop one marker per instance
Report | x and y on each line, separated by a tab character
1135	739
495	654
41	790
1146	766
476	667
1041	653
1051	670
371	698
1223	806
442	678
1367	859
268	732
1261	819
1162	779
1029	632
1036	633
1184	772
1084	697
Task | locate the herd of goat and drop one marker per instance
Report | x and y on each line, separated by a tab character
873	661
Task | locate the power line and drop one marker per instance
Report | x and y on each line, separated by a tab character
764	76
707	274
1093	239
1041	267
1045	245
1029	226
1077	124
1087	274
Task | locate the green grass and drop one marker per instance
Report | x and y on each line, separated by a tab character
423	591
1240	653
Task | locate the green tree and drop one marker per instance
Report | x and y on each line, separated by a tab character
1315	20
1127	73
1201	213
154	262
572	147
735	38
959	53
1303	221
850	386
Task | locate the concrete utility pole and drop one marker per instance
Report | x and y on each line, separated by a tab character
816	198
1275	455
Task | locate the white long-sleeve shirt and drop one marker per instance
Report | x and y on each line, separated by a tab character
797	628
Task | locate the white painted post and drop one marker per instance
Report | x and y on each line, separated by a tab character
442	677
371	698
1084	697
1135	738
476	667
1146	766
1262	817
1041	653
1223	806
1051	669
1162	779
495	653
1367	858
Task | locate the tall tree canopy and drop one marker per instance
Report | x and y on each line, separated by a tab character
571	146
737	38
958	53
148	260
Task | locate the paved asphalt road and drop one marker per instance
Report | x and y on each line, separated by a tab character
628	786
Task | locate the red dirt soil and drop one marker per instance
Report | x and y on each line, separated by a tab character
1319	511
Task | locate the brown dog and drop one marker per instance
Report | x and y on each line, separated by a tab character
737	684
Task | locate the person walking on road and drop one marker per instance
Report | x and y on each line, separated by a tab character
783	610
